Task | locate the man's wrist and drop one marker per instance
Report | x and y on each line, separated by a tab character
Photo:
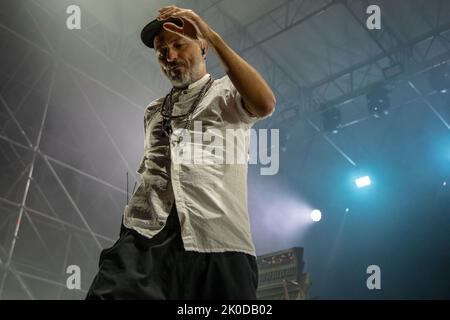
214	39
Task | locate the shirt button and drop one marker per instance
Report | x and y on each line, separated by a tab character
161	223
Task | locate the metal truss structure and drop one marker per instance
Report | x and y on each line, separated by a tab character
62	238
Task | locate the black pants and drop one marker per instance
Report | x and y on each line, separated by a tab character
137	267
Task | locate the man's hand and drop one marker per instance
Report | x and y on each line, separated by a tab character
193	25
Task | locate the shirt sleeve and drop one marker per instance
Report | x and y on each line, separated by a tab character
238	103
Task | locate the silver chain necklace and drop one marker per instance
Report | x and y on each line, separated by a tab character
167	109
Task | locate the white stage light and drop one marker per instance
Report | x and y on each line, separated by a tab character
363	182
316	215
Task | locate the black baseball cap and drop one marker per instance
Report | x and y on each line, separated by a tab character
152	29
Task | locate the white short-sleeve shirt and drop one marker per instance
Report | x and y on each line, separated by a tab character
210	196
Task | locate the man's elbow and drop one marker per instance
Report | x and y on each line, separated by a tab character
268	107
261	108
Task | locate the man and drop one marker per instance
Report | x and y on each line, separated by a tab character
186	231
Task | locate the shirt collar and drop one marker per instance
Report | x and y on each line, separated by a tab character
197	83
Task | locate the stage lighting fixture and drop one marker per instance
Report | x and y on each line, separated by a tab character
378	102
363	182
440	78
316	215
331	120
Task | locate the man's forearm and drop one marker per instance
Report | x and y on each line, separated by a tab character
256	93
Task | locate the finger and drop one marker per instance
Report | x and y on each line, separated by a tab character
168	12
184	12
165	16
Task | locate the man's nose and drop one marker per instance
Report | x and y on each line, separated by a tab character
171	55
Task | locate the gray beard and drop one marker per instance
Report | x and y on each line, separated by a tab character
178	79
181	79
